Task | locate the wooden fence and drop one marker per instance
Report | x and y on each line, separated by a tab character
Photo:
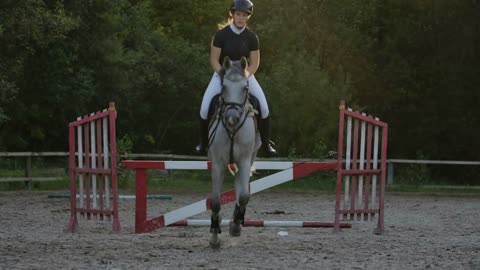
28	178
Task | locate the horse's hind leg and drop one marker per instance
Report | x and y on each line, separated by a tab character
242	195
216	219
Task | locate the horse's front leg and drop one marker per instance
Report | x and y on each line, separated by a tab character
218	172
243	195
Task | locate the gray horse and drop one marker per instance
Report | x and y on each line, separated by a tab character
234	139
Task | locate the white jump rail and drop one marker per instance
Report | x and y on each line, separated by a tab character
263	223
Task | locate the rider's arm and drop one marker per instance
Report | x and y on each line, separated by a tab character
254	62
215	58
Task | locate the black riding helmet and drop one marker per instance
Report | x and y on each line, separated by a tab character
243	5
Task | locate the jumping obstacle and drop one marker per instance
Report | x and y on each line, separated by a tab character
93	170
359	172
358	175
289	171
359	196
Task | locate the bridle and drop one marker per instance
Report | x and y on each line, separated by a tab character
241	108
245	110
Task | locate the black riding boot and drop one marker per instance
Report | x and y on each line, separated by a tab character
267	145
202	147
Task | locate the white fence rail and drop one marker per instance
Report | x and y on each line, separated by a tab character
29	155
391	165
28	179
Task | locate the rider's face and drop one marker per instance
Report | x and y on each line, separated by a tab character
240	18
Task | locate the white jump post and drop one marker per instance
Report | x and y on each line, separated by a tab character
81	181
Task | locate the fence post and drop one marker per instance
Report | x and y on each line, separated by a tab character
390	173
28	171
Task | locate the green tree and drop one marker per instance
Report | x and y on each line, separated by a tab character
413	63
26	27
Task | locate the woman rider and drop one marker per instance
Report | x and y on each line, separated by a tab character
236	40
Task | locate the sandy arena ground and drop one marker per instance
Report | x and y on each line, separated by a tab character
422	232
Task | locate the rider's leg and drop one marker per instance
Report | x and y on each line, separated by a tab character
213	88
202	146
264	125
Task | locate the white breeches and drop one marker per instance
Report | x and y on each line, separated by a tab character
215	87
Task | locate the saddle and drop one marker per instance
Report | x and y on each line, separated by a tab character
215	103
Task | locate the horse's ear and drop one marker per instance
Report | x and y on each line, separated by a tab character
244	62
226	62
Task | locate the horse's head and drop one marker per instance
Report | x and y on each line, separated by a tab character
235	89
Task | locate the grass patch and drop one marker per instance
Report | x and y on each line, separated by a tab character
164	182
433	189
185	181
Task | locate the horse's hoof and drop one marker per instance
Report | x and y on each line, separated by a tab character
235	229
215	242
